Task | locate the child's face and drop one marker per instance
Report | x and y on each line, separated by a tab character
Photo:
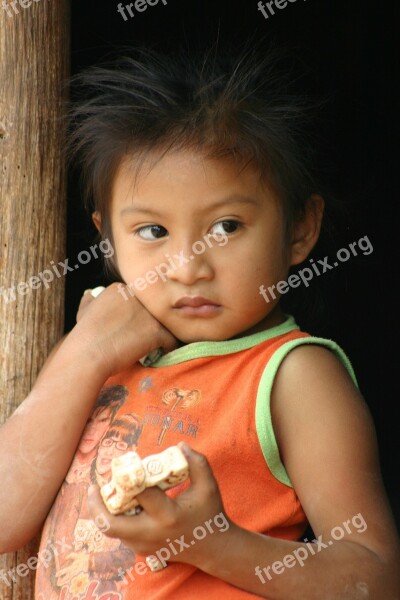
177	203
109	448
95	429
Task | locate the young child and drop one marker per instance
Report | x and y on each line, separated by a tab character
200	177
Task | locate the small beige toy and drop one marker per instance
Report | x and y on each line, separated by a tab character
131	475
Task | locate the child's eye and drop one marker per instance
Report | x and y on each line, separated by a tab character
151	232
224	227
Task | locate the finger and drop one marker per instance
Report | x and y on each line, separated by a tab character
155	502
168	341
200	472
86	299
96	291
99	513
115	526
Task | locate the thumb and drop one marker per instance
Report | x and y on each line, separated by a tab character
200	472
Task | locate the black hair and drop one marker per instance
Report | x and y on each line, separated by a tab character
245	104
114	396
128	427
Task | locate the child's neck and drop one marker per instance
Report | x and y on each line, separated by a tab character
273	319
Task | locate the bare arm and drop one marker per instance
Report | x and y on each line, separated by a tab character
327	443
38	441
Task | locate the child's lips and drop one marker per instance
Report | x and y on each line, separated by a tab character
87	440
193	302
196	306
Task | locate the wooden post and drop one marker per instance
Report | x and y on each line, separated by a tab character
34	64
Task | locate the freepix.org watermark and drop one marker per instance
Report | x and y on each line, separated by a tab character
298	557
46	556
267	9
13	4
59	270
139	6
174	262
318	268
176	547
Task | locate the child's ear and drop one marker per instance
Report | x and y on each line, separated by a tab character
96	218
307	229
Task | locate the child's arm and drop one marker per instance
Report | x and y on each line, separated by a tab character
327	443
39	440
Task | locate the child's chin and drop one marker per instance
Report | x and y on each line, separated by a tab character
191	339
210	331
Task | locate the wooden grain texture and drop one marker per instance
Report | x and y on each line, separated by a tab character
34	64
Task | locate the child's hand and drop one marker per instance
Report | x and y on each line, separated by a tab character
165	522
119	331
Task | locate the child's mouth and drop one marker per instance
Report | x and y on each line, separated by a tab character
196	306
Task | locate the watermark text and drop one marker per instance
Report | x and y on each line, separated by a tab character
301	554
318	268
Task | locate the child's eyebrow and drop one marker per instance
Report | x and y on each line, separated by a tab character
140	209
234	199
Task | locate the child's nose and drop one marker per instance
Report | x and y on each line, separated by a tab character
189	266
91	428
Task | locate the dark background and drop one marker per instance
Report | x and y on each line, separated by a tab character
351	52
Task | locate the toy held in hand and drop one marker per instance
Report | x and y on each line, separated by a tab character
131	475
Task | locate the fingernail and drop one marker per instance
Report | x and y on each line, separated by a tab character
185	448
97	290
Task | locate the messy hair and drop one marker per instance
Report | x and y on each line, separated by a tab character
227	105
113	396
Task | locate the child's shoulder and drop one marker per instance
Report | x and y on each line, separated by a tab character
316	376
319	418
315	363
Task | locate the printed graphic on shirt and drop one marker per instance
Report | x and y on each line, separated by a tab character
107	404
175	399
171	412
145	384
89	564
193	401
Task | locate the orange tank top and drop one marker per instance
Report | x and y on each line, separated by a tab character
213	395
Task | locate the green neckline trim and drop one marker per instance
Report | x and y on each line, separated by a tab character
204	349
264	426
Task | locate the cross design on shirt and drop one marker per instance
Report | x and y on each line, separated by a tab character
177	398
